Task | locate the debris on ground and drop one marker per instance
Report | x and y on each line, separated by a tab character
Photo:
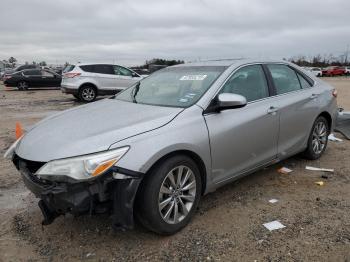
273	200
320	183
274	225
284	170
319	169
332	137
90	255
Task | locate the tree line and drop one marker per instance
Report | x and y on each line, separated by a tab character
12	62
320	60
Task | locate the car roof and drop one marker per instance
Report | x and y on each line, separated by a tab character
82	64
230	62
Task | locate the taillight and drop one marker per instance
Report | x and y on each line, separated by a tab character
71	75
335	93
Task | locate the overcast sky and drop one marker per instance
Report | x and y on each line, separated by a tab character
129	32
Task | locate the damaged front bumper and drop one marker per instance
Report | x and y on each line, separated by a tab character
105	194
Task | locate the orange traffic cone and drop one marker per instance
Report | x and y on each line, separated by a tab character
19	130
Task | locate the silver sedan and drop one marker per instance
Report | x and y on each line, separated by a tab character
154	149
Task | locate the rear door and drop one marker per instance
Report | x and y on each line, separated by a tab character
125	77
33	77
297	103
104	75
244	138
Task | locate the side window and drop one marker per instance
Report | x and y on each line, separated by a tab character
104	69
32	73
249	81
86	68
303	82
47	74
118	70
284	78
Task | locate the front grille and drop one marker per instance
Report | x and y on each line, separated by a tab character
31	167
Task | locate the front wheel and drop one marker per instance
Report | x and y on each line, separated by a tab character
318	139
169	195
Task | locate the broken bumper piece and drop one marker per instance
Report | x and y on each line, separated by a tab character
113	193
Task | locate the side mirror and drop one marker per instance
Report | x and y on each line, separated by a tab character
134	75
230	101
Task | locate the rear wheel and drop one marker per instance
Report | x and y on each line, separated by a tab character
169	195
318	139
22	85
87	93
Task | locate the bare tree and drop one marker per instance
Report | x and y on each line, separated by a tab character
12	61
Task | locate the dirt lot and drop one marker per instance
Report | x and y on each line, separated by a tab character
228	224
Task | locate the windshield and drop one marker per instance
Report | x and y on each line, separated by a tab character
68	68
173	86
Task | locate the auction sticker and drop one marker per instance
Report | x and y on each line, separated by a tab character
193	78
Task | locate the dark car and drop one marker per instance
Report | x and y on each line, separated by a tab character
33	78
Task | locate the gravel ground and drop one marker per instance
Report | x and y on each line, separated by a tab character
227	226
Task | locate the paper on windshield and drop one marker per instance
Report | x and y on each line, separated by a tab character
193	77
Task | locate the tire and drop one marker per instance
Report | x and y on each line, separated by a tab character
318	139
87	93
22	85
149	210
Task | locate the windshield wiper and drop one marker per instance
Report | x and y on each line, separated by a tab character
135	91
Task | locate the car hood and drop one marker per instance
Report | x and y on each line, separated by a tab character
91	128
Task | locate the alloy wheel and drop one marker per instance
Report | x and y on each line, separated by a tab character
88	94
177	194
319	137
22	85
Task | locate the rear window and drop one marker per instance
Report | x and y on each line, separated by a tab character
68	68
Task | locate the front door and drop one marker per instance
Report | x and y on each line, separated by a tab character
124	77
33	77
50	79
245	138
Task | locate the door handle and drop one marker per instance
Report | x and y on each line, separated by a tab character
272	110
313	96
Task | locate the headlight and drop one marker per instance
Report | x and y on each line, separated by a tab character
82	167
9	153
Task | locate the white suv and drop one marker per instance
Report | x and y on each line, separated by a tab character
87	81
347	70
